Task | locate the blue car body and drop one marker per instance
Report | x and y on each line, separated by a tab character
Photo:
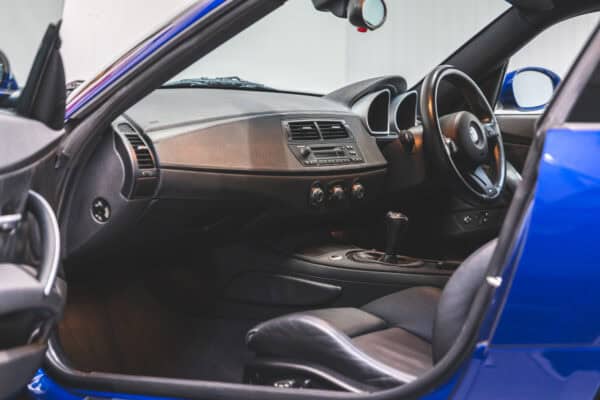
542	331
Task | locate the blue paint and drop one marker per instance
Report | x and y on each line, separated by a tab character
507	94
42	387
552	301
547	340
9	84
139	54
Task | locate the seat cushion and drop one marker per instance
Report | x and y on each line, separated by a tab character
361	345
398	349
390	341
307	339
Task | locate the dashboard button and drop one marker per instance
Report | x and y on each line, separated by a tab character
101	211
305	151
358	191
337	193
316	196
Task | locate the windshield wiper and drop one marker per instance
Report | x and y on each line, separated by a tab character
227	82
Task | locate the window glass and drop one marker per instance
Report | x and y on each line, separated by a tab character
22	27
548	57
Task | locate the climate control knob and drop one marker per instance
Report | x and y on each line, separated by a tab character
358	191
337	193
316	196
305	151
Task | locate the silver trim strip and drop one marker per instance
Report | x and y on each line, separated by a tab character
363	106
396	103
54	261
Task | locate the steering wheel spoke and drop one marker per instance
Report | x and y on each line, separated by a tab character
480	178
450	145
492	131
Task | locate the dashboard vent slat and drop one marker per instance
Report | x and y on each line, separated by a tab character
303	130
333	130
142	152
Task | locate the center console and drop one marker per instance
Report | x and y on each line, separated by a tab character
346	256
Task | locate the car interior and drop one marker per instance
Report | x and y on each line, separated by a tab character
293	240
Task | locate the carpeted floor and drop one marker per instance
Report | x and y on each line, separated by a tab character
127	331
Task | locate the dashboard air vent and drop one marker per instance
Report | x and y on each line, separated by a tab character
333	130
125	128
142	152
303	130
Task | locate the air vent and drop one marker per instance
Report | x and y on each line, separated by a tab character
125	128
333	130
142	152
303	130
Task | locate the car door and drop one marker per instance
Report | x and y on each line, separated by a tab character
32	103
550	55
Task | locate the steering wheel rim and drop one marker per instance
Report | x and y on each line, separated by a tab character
467	144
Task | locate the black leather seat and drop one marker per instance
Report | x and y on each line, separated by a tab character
388	342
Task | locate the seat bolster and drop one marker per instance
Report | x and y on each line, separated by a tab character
412	309
457	299
307	339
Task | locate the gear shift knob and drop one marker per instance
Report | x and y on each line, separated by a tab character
396	224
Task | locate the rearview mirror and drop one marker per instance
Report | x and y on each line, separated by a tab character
365	14
370	14
528	89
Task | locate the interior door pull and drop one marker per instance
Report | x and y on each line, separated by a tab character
50	233
9	223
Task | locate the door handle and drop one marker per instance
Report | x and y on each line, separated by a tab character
50	233
10	222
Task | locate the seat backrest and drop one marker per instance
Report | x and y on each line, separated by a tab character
457	298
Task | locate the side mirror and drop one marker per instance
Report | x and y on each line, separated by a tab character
7	82
528	89
4	71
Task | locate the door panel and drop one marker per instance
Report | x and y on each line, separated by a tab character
31	295
518	131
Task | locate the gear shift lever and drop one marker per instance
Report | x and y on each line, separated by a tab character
396	225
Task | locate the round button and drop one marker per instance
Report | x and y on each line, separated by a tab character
337	193
317	196
358	191
305	152
101	210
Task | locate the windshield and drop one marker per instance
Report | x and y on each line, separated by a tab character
299	49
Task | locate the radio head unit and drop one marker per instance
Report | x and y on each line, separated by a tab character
322	143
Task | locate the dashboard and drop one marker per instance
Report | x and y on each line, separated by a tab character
192	154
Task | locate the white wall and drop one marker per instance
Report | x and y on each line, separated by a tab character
298	48
558	46
95	32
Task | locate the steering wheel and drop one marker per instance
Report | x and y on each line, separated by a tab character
466	145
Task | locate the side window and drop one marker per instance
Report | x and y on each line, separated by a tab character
22	27
536	70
